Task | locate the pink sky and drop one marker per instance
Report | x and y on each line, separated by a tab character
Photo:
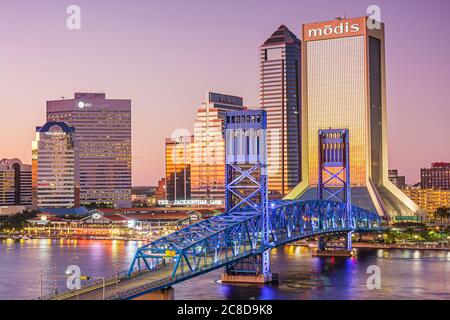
165	55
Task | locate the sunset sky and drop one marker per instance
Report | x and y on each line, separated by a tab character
165	55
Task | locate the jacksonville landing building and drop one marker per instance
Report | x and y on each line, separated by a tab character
344	87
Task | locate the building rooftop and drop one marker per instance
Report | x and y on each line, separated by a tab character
282	35
157	216
65	211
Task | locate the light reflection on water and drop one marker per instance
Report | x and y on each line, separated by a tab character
405	274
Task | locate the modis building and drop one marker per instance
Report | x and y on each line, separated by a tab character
344	87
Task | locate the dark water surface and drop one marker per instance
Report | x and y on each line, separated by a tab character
405	274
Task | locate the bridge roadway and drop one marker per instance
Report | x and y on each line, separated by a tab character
124	287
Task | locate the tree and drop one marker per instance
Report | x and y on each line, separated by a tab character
17	221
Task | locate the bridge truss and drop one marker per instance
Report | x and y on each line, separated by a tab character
233	236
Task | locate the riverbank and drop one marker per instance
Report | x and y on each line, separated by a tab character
311	245
437	247
369	245
26	237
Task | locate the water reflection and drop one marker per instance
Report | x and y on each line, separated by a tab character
406	274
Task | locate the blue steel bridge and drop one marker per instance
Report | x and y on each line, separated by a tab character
251	225
225	240
234	236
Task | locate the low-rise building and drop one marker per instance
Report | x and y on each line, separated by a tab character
134	223
429	199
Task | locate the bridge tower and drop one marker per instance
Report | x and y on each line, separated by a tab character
334	183
246	186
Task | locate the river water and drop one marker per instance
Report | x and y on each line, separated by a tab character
405	274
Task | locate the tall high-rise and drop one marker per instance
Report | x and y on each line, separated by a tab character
178	168
280	97
344	87
208	149
103	136
398	181
54	165
15	183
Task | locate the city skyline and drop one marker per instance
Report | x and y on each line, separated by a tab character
154	90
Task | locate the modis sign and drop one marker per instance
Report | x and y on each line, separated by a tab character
334	29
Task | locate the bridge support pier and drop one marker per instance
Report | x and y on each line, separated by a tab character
335	246
249	270
162	294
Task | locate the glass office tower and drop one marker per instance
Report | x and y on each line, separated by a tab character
208	149
54	166
280	97
15	183
104	145
178	168
343	87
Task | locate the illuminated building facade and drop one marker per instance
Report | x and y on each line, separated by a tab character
436	177
15	183
208	149
398	181
280	97
344	87
160	193
429	199
54	167
103	137
178	168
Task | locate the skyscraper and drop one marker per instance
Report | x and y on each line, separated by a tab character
15	183
54	167
398	181
280	97
178	168
103	139
208	153
344	87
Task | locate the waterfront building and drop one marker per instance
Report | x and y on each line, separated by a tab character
103	137
436	177
111	224
15	183
344	87
54	167
208	148
280	97
178	168
398	181
429	199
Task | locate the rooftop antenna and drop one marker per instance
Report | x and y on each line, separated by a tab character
63	98
342	18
